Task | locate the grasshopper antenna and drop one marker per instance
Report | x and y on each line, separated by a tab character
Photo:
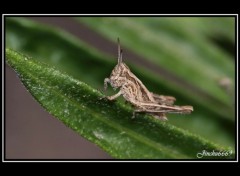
119	52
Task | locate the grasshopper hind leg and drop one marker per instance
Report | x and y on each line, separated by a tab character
161	116
162	99
137	111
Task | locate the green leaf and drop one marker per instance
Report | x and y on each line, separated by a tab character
64	51
108	124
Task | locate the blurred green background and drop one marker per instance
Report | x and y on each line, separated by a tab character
190	58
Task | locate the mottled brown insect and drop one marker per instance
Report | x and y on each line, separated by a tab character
134	92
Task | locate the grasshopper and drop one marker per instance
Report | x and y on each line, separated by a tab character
134	92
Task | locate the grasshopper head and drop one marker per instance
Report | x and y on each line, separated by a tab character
117	77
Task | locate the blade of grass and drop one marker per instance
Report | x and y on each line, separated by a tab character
105	123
